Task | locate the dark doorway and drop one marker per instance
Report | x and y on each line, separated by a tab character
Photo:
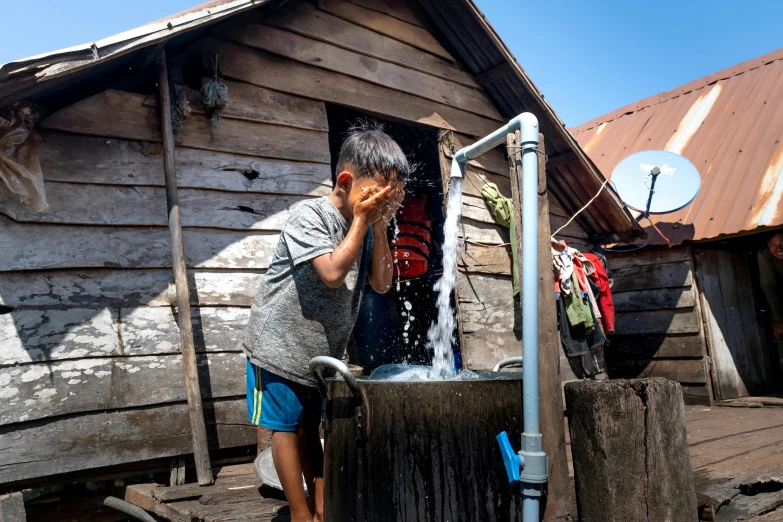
737	318
393	328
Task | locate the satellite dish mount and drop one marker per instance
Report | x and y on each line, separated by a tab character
655	172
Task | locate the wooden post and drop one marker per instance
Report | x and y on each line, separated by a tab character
558	489
630	451
12	508
192	389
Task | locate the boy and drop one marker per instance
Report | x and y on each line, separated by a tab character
308	302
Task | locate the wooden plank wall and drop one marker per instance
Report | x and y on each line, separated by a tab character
490	320
90	374
658	322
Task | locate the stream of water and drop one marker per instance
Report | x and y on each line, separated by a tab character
441	332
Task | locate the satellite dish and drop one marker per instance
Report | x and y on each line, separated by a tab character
656	181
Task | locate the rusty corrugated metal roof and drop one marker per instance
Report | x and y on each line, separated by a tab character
730	125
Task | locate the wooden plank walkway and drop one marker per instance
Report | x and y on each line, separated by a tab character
736	454
237	495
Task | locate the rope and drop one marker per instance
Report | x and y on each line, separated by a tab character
581	209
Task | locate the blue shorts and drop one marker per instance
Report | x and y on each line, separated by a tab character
276	403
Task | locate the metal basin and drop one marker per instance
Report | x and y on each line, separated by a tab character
421	451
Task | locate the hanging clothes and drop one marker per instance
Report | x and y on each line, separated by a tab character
605	300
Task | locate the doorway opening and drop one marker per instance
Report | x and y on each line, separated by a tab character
737	318
392	328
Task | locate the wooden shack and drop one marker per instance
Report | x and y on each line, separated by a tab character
90	368
694	312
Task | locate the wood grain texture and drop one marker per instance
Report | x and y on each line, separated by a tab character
12	507
663	346
123	287
741	361
679	370
256	104
361	66
305	19
37	335
650	256
630	451
684	320
131	119
493	160
76	158
82	204
387	25
35	247
490	320
274	72
658	299
486	260
400	9
83	442
666	275
86	385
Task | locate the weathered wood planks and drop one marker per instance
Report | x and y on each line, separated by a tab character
676	321
305	19
131	119
124	287
383	24
256	104
267	70
60	445
83	204
26	246
680	370
657	299
400	9
666	275
656	346
38	391
76	158
363	67
54	334
490	319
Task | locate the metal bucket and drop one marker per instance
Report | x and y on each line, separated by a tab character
420	451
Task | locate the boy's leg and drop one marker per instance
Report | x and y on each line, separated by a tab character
311	452
285	453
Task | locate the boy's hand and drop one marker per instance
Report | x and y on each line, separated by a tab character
371	207
392	204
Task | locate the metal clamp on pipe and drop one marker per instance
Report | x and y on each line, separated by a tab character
507	362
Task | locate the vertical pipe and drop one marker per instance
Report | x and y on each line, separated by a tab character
531	438
189	366
529	144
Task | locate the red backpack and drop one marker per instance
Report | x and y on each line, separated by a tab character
411	247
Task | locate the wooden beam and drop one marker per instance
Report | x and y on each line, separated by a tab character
494	73
12	508
189	365
558	487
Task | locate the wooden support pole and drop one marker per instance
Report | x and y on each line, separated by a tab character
192	389
630	451
558	488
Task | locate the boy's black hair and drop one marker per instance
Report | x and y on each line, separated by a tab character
368	151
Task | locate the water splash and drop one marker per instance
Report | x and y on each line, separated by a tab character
415	372
441	333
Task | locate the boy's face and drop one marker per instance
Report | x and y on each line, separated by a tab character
356	188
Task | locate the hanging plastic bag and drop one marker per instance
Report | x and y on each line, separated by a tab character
19	165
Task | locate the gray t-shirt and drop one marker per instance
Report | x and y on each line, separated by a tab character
295	316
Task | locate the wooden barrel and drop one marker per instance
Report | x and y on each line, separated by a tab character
421	451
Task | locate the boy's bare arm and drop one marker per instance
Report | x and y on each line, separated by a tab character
334	267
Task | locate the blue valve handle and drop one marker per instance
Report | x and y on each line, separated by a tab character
511	460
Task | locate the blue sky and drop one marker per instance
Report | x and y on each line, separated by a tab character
588	57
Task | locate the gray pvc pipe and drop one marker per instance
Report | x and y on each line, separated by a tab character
120	505
533	476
